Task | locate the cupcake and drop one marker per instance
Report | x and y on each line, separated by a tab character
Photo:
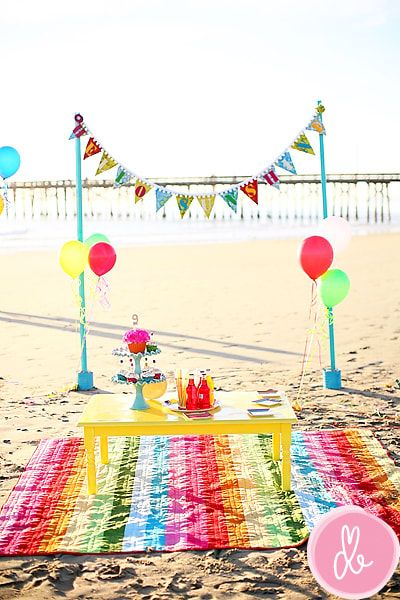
136	340
151	345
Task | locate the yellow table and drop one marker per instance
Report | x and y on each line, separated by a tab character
109	415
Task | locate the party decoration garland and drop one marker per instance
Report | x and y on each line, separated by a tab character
249	187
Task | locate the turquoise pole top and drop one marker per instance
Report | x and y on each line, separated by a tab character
79	218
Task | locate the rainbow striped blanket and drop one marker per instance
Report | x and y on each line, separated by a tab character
193	492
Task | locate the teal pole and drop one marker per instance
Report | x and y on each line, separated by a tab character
332	376
85	377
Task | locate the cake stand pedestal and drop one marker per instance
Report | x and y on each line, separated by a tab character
139	402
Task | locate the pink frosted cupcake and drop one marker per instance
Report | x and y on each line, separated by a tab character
136	340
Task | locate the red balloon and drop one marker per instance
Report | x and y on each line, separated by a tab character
102	258
316	256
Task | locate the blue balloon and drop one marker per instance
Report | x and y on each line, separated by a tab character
9	161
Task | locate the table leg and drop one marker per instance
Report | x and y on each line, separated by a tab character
276	445
91	465
286	441
104	449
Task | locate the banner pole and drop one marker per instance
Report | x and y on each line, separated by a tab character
332	376
85	377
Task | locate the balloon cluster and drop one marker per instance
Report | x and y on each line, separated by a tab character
96	252
316	256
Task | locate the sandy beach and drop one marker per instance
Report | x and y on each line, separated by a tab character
239	309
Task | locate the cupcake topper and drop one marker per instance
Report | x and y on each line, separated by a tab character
135	320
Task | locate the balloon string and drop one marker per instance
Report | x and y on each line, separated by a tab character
307	347
103	290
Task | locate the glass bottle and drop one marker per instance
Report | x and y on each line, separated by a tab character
204	393
191	394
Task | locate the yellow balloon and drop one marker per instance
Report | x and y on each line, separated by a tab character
74	258
1	204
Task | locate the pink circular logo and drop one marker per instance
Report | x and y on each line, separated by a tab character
352	553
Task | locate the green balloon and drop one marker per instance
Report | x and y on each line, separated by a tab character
95	239
333	287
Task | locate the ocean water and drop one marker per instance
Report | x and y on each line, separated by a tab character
50	235
39	219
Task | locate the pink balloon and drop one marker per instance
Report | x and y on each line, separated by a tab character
102	258
316	256
337	231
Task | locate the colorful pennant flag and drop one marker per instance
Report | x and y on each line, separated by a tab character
207	203
79	130
141	188
303	144
316	125
122	177
251	190
230	197
285	162
183	203
106	163
92	148
272	178
162	197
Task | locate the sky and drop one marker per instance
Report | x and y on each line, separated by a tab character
200	87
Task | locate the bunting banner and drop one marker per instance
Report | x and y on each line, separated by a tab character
183	203
122	177
106	163
272	178
302	144
249	186
251	190
285	162
162	197
141	188
92	148
207	203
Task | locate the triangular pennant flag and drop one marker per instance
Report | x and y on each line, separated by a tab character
230	197
183	203
251	190
106	163
207	203
162	197
303	144
92	148
272	178
122	177
77	132
79	129
141	188
316	125
285	162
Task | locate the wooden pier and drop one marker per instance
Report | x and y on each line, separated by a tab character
360	198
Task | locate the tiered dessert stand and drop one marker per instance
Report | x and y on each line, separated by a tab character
139	402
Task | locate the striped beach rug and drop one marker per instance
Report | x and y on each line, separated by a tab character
193	492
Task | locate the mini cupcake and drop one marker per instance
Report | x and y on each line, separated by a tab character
151	345
136	340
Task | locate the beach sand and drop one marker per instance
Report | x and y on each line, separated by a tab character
241	310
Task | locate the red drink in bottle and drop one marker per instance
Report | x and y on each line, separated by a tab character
191	394
204	393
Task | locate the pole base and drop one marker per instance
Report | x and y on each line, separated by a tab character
85	380
332	379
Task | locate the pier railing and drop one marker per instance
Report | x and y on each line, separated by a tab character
360	198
